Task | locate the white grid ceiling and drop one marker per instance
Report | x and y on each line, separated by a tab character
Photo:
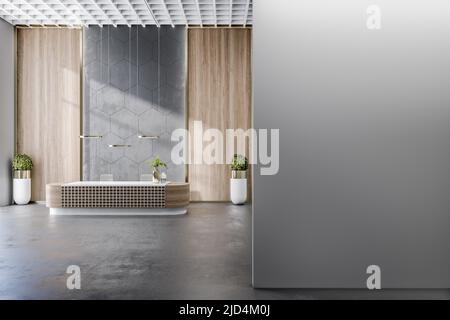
127	12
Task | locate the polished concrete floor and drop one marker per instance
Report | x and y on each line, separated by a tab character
203	255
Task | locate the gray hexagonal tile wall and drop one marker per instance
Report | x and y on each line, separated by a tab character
143	51
106	153
174	121
171	99
149	34
139	99
98	123
121	33
124	123
125	169
172	47
112	49
124	97
93	34
174	74
152	122
163	147
91	50
95	77
123	75
98	168
140	150
148	75
110	100
144	167
178	33
89	152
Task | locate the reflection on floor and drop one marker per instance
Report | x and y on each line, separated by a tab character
203	255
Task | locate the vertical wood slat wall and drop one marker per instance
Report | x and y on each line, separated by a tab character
48	104
219	95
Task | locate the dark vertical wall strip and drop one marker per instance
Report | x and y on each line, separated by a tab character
6	110
134	84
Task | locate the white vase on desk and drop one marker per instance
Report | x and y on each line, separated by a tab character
22	186
238	187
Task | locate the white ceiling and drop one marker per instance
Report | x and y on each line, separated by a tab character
127	12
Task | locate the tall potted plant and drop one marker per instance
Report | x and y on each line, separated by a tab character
157	165
238	182
22	165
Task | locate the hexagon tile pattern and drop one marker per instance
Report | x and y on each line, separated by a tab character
124	124
131	88
139	99
109	100
123	75
106	153
151	123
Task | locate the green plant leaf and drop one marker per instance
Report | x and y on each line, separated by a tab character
22	162
239	163
156	163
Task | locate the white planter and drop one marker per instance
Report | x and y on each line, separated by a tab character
22	187
238	191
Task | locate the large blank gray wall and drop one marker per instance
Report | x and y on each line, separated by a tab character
134	84
364	119
6	109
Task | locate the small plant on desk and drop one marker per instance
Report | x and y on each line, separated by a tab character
157	165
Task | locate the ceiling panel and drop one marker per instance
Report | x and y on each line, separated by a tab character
127	12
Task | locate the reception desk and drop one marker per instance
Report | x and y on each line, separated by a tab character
117	198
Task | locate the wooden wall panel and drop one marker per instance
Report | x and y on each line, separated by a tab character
48	104
219	95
